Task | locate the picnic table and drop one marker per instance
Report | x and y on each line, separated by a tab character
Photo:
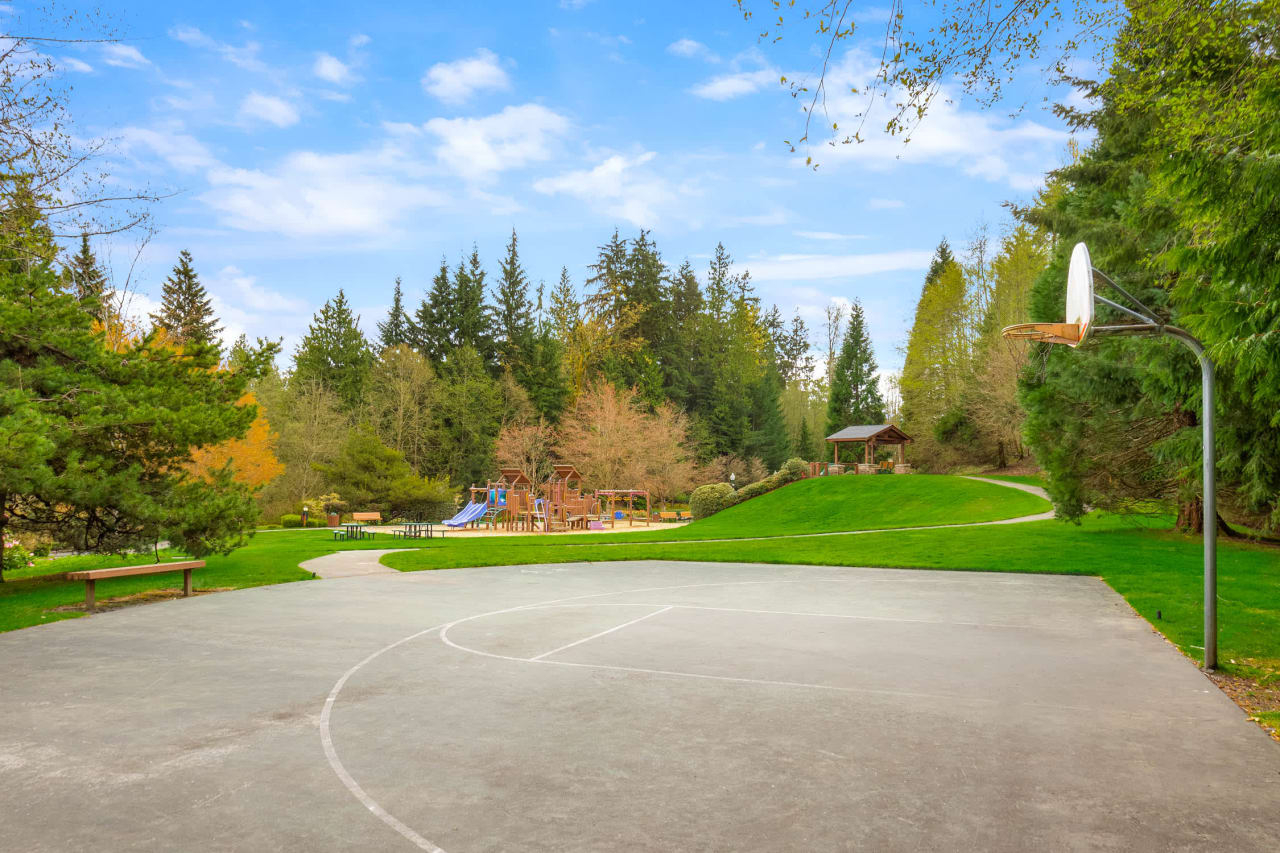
353	530
417	530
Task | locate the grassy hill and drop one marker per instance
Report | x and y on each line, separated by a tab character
837	504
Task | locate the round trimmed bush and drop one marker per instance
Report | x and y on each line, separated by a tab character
290	520
710	499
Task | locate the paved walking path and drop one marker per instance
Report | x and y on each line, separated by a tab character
346	564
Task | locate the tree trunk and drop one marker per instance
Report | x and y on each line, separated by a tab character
1002	461
1191	519
1191	516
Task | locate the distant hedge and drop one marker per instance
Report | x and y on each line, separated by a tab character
710	499
294	520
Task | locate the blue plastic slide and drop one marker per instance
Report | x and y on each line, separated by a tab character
469	513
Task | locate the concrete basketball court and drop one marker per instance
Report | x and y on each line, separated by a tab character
628	706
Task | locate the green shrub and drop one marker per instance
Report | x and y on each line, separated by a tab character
15	556
710	499
793	469
290	520
754	490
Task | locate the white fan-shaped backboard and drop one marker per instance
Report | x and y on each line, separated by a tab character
1080	291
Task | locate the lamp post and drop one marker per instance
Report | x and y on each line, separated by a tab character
732	477
305	510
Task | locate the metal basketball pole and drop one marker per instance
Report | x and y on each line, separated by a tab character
1210	495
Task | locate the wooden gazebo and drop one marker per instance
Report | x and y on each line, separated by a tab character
869	436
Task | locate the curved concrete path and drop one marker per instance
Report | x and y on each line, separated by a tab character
346	564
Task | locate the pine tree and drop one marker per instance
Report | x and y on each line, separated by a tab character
123	483
514	312
334	353
88	281
395	330
804	442
566	310
768	440
855	387
473	318
186	311
794	361
434	323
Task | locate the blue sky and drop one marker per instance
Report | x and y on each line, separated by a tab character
324	145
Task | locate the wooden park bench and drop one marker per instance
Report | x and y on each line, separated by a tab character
92	576
366	517
668	516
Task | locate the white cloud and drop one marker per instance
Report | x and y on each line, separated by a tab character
619	186
574	4
884	204
180	151
479	148
728	86
351	196
810	267
828	235
248	308
245	57
690	49
455	82
977	143
359	40
124	56
72	64
268	108
330	68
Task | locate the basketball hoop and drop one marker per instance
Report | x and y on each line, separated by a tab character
1052	333
1079	326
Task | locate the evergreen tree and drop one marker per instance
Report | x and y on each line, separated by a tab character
855	387
186	311
792	345
434	322
395	330
95	442
334	353
768	440
472	317
88	281
468	417
804	443
566	311
514	312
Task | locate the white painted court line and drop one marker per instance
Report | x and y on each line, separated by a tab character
407	832
601	634
855	616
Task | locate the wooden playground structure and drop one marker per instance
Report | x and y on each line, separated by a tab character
515	503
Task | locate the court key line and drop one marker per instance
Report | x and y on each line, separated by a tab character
601	634
408	833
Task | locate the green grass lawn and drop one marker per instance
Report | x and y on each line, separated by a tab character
27	596
833	504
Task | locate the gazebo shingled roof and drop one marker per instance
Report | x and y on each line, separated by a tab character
870	435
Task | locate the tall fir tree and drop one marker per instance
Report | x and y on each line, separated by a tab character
566	310
88	281
434	322
514	311
186	311
472	316
855	387
397	328
334	353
